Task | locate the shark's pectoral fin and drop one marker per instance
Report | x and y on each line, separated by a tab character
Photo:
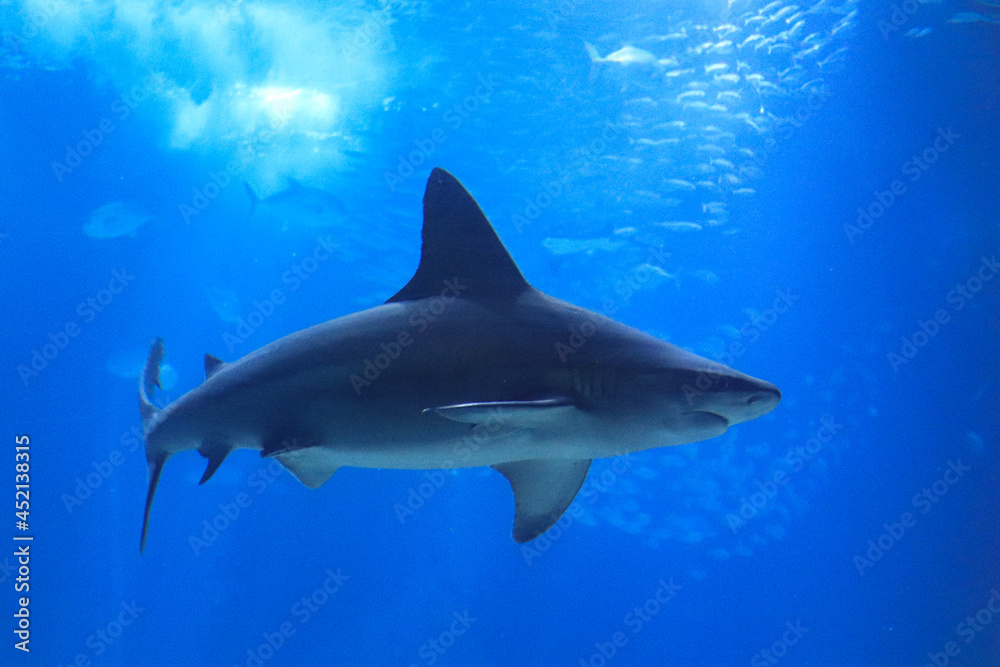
216	453
518	414
543	489
311	465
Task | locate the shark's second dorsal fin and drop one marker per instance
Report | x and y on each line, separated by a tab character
212	365
461	252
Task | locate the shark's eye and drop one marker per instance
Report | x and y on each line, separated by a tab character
722	384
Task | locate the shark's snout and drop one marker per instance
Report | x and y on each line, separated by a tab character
755	402
736	399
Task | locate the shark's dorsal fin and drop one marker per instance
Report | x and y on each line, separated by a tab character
543	489
212	365
461	252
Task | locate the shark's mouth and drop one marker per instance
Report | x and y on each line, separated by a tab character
710	418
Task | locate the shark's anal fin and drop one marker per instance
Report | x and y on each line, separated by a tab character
521	414
212	365
216	453
156	462
461	252
543	489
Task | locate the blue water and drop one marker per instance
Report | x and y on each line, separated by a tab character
869	527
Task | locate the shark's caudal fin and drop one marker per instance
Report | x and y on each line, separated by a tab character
460	252
154	456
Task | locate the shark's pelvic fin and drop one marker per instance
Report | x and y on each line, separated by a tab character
461	252
543	489
216	453
520	414
212	365
311	465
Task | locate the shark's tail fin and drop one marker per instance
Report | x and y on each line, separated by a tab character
595	60
155	456
254	199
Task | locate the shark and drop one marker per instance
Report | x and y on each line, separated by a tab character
467	365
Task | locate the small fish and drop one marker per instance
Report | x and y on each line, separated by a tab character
627	55
680	226
678	184
299	205
783	12
972	17
716	67
564	246
114	220
690	95
705	276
